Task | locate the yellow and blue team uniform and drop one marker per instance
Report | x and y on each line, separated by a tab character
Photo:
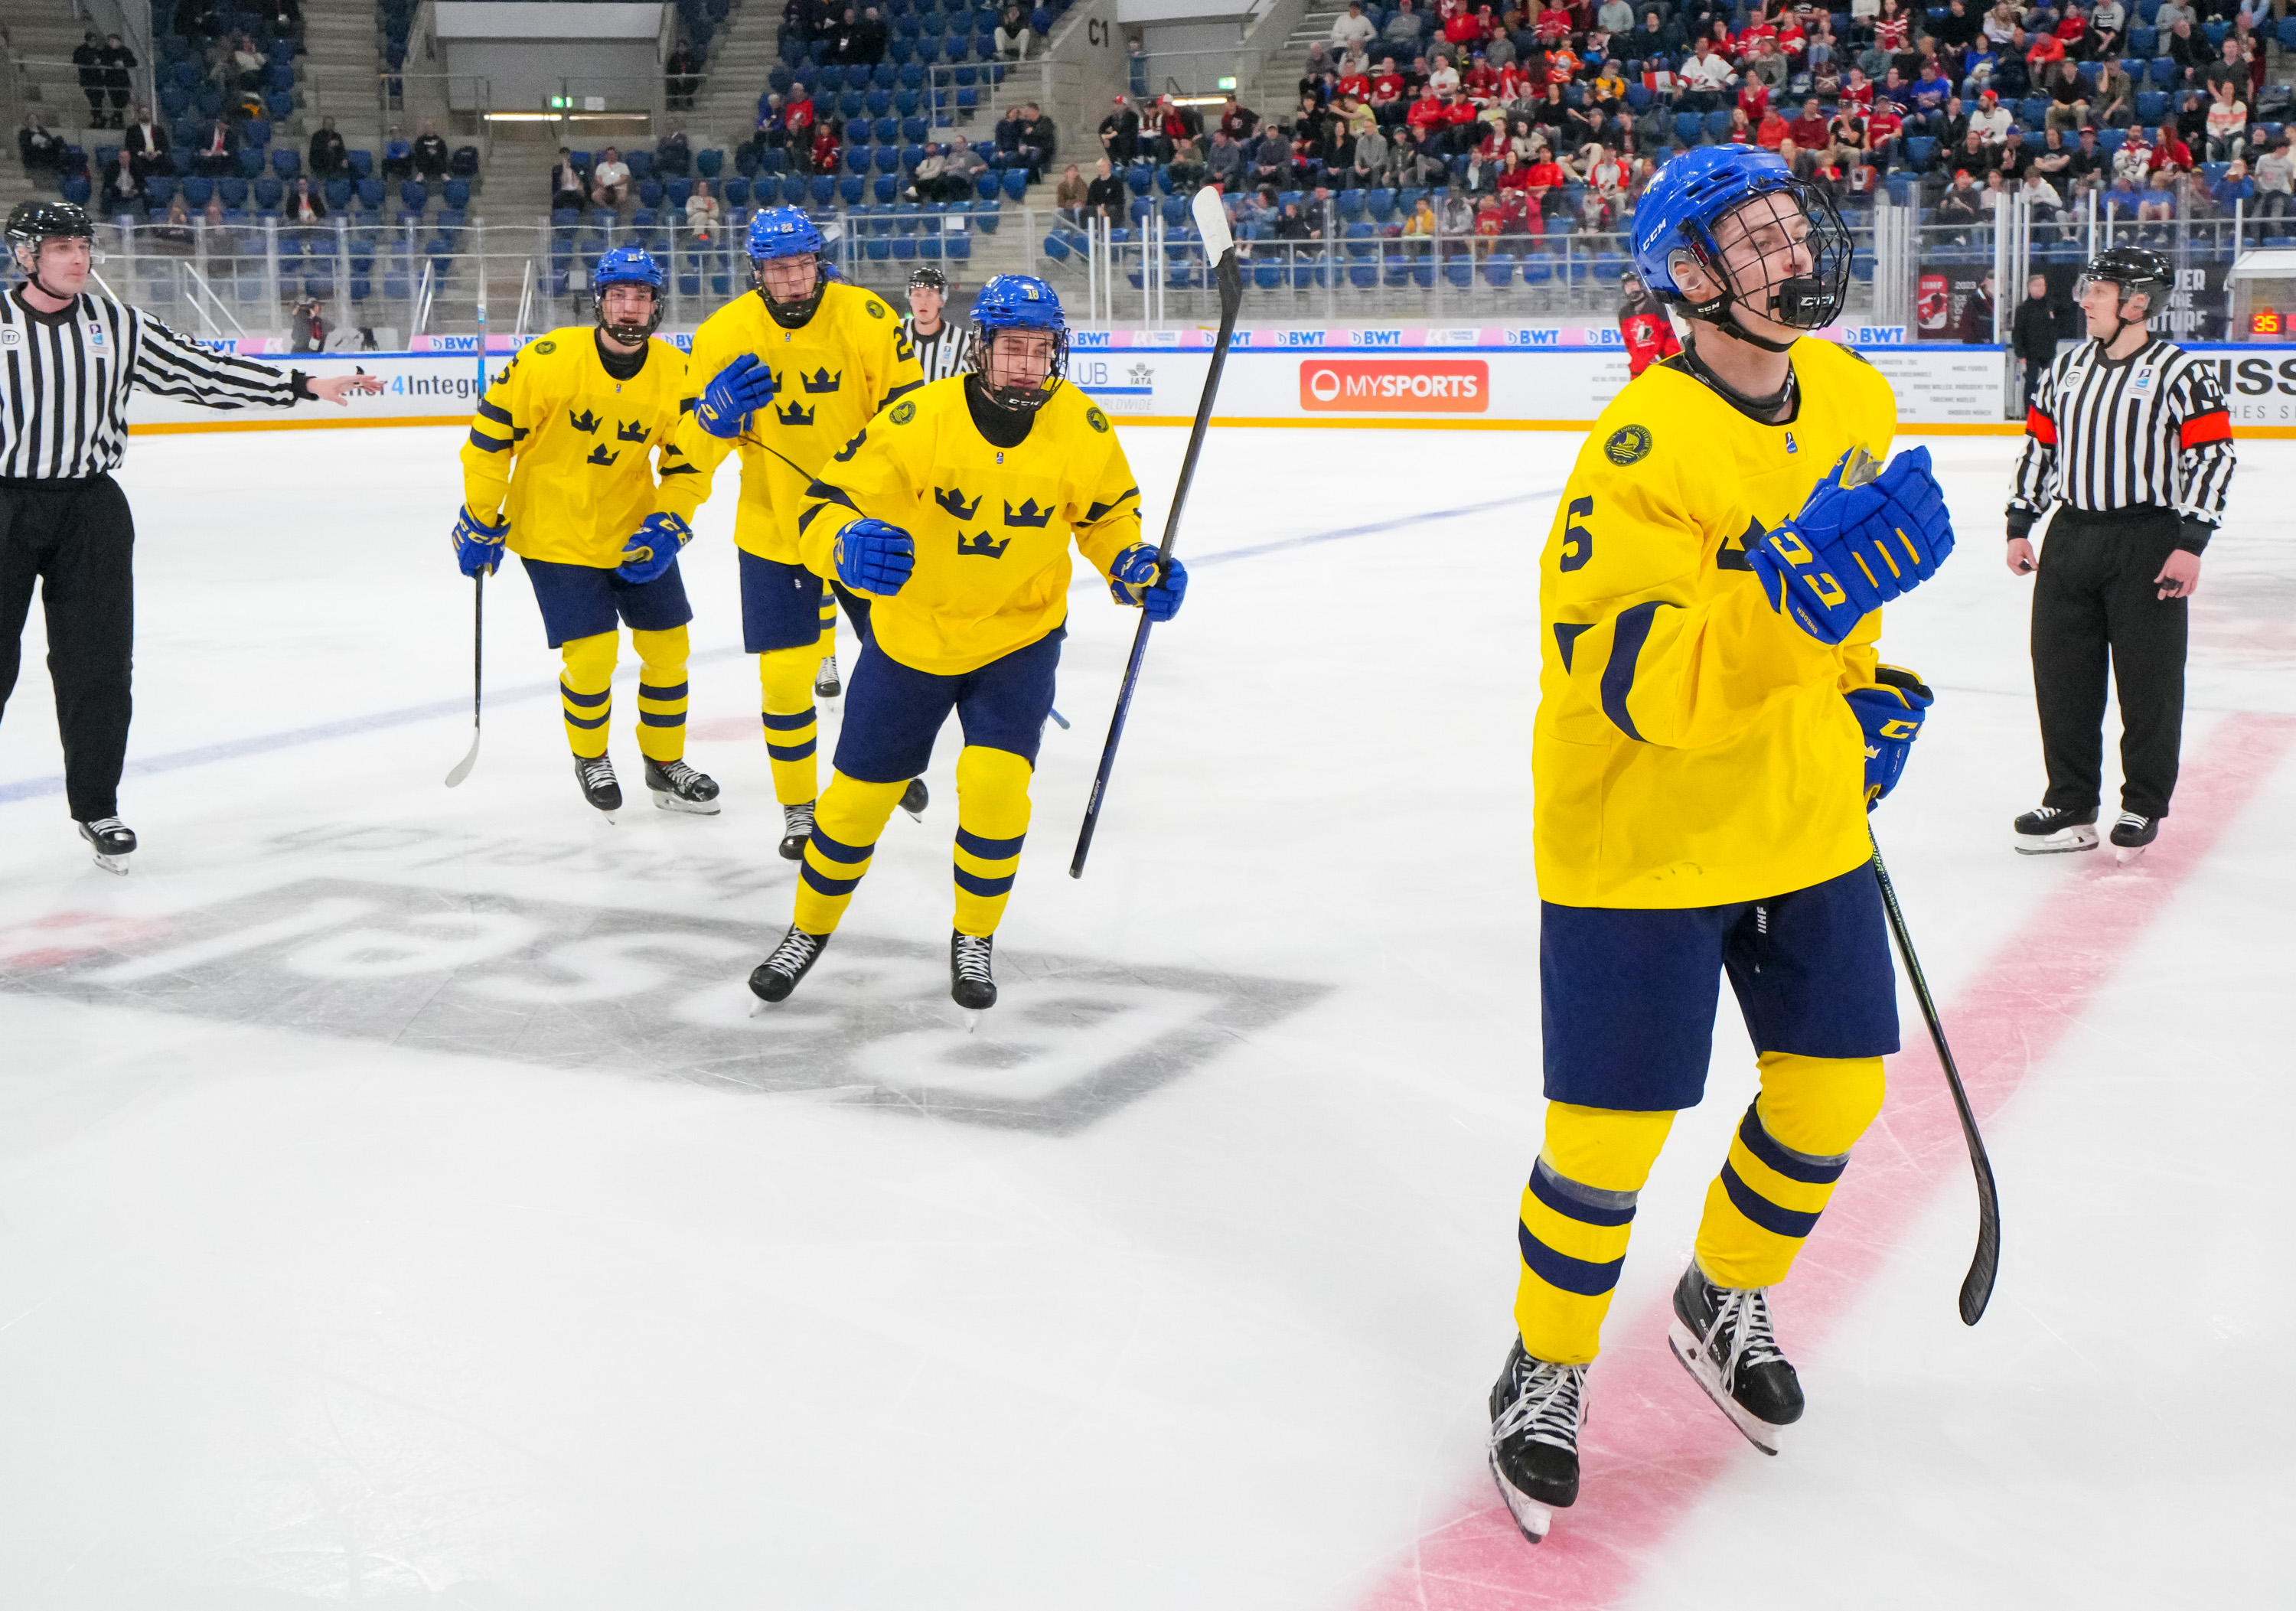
563	446
1700	809
832	375
976	628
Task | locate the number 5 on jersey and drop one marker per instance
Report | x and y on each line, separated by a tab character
1578	542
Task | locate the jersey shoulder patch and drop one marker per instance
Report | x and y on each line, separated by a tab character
904	412
1628	445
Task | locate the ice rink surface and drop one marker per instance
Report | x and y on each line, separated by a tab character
400	1207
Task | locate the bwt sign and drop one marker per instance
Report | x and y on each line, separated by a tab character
1395	385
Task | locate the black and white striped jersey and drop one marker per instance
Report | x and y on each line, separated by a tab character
2106	434
940	355
65	379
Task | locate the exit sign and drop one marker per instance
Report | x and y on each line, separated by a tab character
1226	84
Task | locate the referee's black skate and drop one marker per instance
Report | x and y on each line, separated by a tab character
797	828
1536	1411
914	799
1722	1336
777	975
2047	830
825	683
599	784
971	984
2131	833
678	787
113	841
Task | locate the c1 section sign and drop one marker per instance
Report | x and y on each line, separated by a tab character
1395	385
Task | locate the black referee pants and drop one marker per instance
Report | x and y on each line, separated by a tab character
2095	603
76	539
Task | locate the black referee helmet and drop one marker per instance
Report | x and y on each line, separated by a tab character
32	222
2138	270
931	278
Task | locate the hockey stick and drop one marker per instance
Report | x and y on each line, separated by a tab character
1977	1286
478	599
1220	247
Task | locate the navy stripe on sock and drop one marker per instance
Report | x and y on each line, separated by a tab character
1559	1195
1560	1269
588	723
779	723
793	751
827	885
1761	1211
987	849
675	691
837	849
587	700
656	718
972	884
1792	1165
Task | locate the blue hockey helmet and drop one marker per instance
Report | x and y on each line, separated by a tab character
628	266
1684	205
1018	301
785	231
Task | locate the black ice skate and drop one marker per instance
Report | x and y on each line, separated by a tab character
1535	1410
826	685
797	828
2131	833
2047	830
970	983
914	799
113	841
678	787
776	976
599	785
1722	1336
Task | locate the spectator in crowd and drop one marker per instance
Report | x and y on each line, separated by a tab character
428	154
2068	97
1991	121
219	154
566	188
1136	66
2185	45
1224	162
119	66
303	205
1119	133
610	181
123	187
702	213
1352	30
870	38
2170	151
1016	146
2234	190
2108	26
2089	167
306	326
2033	333
286	18
1103	197
328	156
39	147
2048	205
146	140
962	169
252	67
1038	132
87	56
176	228
1013	33
1405	30
2227	123
929	178
828	141
1977	314
2116	97
797	131
1960	203
2275	181
1271	158
2158	206
673	154
397	156
1186	167
681	77
1373	155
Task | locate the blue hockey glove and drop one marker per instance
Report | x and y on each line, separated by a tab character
1133	579
740	389
873	557
654	548
1852	549
478	547
1892	713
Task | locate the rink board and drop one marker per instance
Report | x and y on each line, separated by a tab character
1294	377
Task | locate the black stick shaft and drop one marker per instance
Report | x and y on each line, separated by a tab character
1977	1286
1230	288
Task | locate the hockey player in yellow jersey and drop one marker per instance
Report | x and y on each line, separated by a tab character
560	468
954	513
1713	727
796	371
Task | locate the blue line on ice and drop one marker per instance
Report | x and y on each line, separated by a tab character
266	744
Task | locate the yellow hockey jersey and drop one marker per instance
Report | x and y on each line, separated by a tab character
849	361
566	450
992	524
1693	746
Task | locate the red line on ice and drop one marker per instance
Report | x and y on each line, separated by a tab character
1653	1444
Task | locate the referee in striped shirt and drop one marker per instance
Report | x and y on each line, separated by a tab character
68	360
2130	433
939	344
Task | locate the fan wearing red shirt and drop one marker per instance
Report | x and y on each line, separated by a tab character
1553	25
1885	126
1385	91
1791	40
2170	151
1480	83
1890	32
1513	83
1754	99
1858	92
1772	132
1355	84
1428	115
1749	43
2044	53
1463	29
1809	132
1543	177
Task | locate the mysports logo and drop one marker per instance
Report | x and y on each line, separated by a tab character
1395	386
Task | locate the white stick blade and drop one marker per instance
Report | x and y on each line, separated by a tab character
1211	223
462	767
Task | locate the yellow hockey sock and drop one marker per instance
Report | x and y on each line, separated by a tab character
992	819
586	694
1789	1149
845	828
661	692
828	644
786	677
1577	1213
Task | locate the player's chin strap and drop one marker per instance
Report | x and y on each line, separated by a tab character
1766	409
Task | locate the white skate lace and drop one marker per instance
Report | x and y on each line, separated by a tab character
598	772
1745	1312
106	825
972	959
790	956
828	672
676	771
2130	819
797	819
1545	1404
